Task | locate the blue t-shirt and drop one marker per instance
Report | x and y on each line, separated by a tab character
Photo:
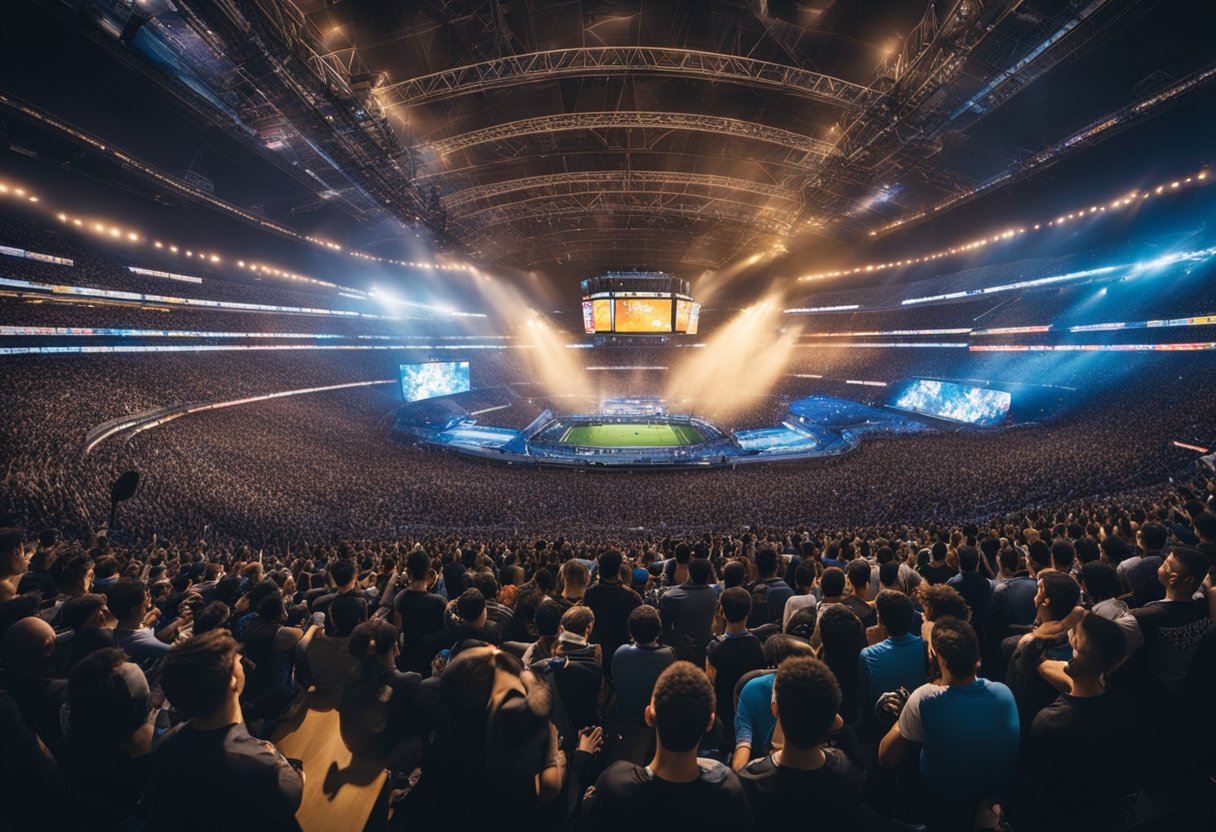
897	662
636	669
969	737
754	720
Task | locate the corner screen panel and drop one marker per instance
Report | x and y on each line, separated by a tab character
602	315
588	317
439	378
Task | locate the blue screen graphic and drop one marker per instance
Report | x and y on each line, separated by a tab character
439	378
971	405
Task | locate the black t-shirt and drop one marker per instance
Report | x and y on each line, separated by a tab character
768	601
37	580
271	669
1031	690
862	610
421	614
784	798
629	796
1076	752
577	676
732	656
85	642
220	779
1171	630
107	781
343	611
432	644
40	701
379	708
611	604
938	573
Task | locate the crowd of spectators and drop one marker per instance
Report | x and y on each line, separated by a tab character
299	470
974	629
1035	671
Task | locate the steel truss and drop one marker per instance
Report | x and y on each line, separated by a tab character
674	245
514	70
657	206
810	150
604	181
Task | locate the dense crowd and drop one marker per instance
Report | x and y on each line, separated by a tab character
973	629
298	470
1040	670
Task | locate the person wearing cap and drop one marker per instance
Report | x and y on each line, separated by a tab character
105	752
612	603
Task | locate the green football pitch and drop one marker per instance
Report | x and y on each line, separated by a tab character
631	436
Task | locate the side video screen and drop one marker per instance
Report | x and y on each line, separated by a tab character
956	402
438	378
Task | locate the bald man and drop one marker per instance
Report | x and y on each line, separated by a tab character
29	648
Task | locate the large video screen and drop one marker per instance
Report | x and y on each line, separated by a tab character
438	378
602	315
643	315
956	402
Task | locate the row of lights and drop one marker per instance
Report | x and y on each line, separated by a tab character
412	264
14	191
227	207
1132	198
117	233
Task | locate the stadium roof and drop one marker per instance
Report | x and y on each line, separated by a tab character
581	135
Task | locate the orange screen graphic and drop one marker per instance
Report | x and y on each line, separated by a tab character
602	315
643	315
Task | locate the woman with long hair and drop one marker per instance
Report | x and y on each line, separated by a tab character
495	758
378	713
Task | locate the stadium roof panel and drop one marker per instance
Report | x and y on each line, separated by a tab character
469	117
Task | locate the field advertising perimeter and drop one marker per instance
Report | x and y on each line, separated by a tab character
631	436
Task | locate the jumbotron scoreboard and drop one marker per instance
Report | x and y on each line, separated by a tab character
639	303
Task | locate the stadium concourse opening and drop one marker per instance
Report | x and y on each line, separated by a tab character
608	416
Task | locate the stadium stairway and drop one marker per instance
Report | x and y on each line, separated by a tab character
342	793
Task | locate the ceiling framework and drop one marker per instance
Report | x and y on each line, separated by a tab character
698	131
598	208
472	201
808	151
552	64
642	245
